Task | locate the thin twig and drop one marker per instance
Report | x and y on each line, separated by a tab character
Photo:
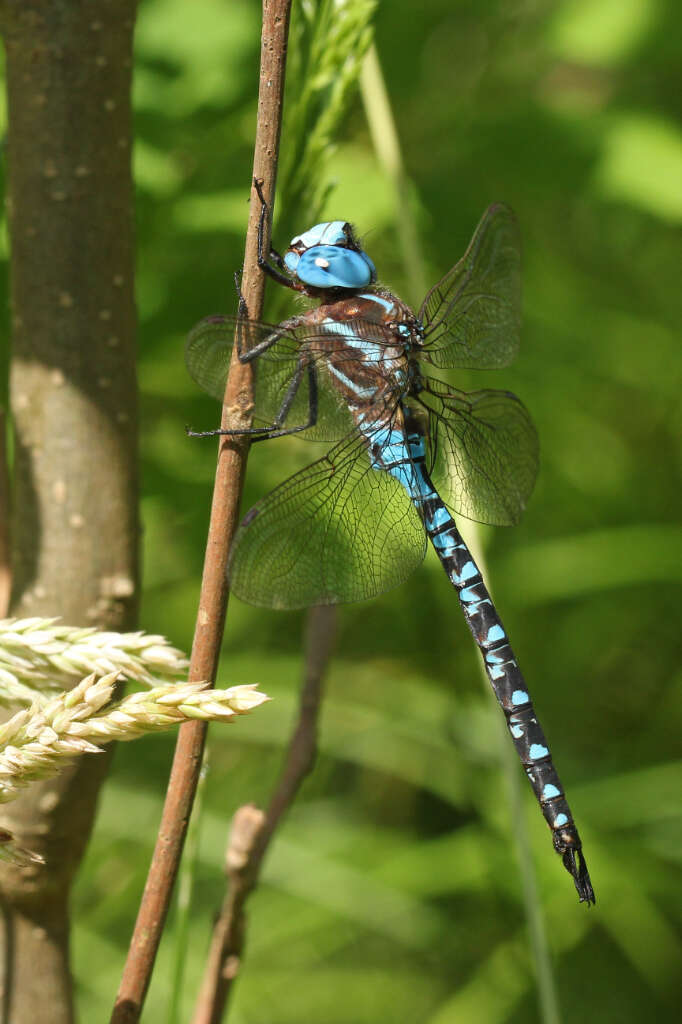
224	512
252	830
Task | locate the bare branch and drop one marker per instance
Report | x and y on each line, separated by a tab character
224	514
252	830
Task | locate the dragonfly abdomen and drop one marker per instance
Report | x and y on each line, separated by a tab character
403	455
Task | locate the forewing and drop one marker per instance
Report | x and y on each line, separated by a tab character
209	345
472	316
335	532
483	451
304	353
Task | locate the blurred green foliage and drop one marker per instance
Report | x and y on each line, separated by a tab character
392	892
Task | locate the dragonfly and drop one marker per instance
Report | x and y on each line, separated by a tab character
407	449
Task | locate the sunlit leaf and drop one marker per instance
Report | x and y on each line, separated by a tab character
632	145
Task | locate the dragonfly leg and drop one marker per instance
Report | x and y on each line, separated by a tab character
276	273
291	393
242	309
277	429
253	433
257	350
266	343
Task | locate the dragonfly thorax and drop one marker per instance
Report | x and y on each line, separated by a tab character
328	256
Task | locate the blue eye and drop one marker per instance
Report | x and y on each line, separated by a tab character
372	268
329	233
330	266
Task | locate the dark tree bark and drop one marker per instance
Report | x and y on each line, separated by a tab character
73	402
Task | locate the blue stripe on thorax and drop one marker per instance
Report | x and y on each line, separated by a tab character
388	304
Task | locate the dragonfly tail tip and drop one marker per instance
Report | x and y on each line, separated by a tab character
574	862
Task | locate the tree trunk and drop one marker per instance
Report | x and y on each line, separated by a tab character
73	402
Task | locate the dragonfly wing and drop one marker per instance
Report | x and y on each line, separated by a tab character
208	352
472	316
483	450
337	531
316	356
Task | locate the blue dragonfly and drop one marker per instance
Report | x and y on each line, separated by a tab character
409	449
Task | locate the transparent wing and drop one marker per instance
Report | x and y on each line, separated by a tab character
337	531
483	451
472	316
299	367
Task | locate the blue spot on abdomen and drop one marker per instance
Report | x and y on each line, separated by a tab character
495	633
440	517
468	572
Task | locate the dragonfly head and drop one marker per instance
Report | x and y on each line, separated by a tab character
329	256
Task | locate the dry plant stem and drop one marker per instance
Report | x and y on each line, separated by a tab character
252	830
224	516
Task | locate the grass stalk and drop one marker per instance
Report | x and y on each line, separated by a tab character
387	146
386	142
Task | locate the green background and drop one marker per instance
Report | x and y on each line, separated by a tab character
392	893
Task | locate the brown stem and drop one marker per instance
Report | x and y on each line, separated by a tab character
252	830
224	512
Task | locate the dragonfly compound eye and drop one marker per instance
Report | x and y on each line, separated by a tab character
331	266
333	232
328	256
